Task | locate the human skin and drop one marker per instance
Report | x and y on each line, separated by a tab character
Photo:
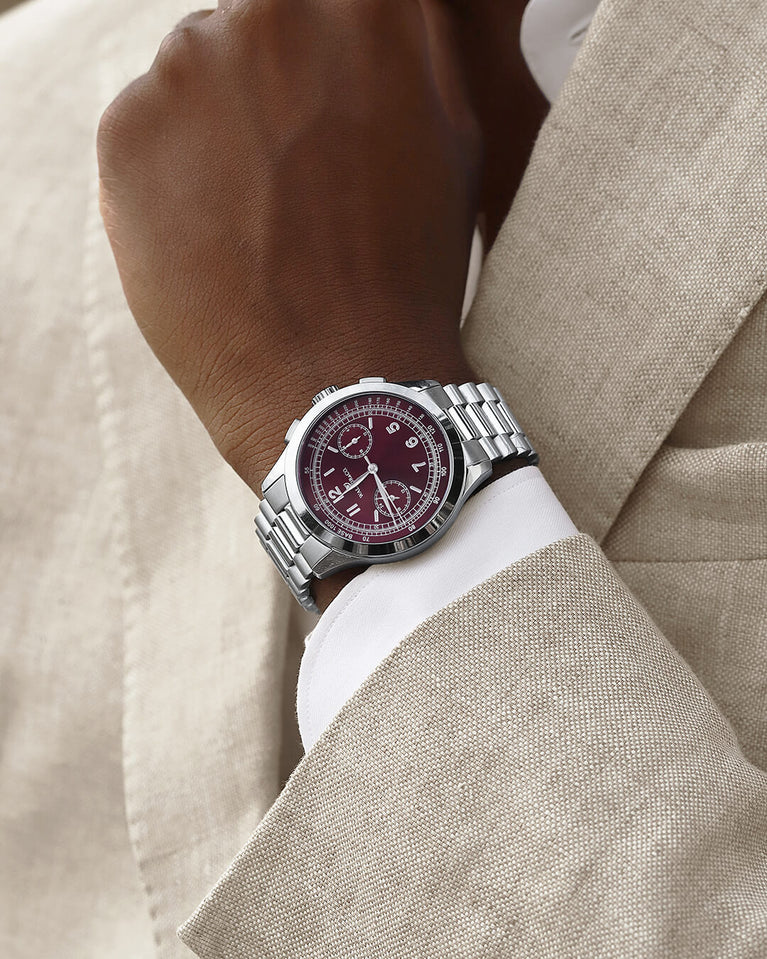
290	193
508	103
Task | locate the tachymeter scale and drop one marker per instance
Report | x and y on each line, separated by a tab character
375	469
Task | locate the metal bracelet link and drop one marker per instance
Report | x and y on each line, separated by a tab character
282	535
479	412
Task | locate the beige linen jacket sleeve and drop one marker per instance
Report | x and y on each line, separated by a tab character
568	761
536	770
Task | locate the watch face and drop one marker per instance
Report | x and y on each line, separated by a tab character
375	468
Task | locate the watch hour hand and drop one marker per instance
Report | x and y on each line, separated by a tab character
386	498
352	485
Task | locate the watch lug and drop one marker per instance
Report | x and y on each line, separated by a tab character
420	386
273	489
435	393
323	559
315	553
474	454
476	475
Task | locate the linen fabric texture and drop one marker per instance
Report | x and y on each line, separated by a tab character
503	522
569	759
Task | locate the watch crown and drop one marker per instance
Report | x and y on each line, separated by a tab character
291	430
323	393
373	379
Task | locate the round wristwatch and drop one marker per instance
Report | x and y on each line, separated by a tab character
377	471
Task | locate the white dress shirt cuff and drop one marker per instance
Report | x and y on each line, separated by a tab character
505	521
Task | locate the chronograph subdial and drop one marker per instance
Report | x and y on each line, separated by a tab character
355	441
399	495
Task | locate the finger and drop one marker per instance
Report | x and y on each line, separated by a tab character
447	63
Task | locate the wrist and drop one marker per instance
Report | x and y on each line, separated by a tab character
288	397
251	449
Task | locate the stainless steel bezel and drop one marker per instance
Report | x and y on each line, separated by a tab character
406	545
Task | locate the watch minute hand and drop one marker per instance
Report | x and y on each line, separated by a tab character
382	489
389	505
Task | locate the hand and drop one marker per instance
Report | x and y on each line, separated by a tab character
290	192
351	443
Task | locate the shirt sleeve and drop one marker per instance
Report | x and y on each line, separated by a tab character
509	518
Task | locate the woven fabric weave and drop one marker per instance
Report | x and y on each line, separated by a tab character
533	772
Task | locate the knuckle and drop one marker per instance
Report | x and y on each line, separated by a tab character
129	119
109	126
178	54
117	123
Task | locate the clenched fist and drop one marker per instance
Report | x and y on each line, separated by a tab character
290	192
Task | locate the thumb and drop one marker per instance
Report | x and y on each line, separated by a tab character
448	66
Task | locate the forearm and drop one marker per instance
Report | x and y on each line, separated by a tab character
281	223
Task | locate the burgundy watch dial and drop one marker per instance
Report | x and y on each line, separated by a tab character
375	468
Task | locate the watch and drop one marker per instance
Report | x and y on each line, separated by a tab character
376	472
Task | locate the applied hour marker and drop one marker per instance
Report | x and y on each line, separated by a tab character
417	466
370	422
353	509
375	515
415	489
328	472
332	449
